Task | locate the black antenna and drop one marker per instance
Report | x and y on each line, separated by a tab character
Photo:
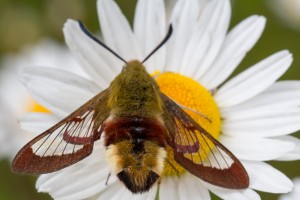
88	33
167	37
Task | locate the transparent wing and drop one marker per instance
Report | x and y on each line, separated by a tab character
67	142
199	153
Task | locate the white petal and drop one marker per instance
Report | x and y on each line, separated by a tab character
150	29
254	80
294	195
169	4
190	187
183	19
229	194
283	86
151	195
120	194
236	45
195	52
263	127
113	190
265	178
95	60
259	149
59	91
81	180
12	139
119	191
294	154
38	122
257	113
280	95
116	31
215	20
280	99
128	195
169	188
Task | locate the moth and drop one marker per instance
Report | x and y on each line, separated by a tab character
137	122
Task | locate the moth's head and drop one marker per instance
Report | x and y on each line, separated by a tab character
137	163
133	66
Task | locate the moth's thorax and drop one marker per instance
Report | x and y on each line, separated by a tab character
134	92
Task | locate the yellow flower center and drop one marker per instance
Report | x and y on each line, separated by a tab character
33	106
201	107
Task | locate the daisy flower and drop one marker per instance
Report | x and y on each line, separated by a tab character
251	114
295	194
16	102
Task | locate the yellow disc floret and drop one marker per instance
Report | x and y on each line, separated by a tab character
197	102
33	106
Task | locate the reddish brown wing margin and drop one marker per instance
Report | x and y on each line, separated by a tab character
67	142
199	153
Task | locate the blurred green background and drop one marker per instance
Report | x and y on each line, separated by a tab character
27	22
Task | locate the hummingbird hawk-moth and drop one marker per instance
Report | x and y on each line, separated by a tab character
137	122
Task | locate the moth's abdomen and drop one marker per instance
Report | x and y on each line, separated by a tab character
134	128
135	150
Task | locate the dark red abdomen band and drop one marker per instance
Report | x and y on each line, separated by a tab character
128	128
